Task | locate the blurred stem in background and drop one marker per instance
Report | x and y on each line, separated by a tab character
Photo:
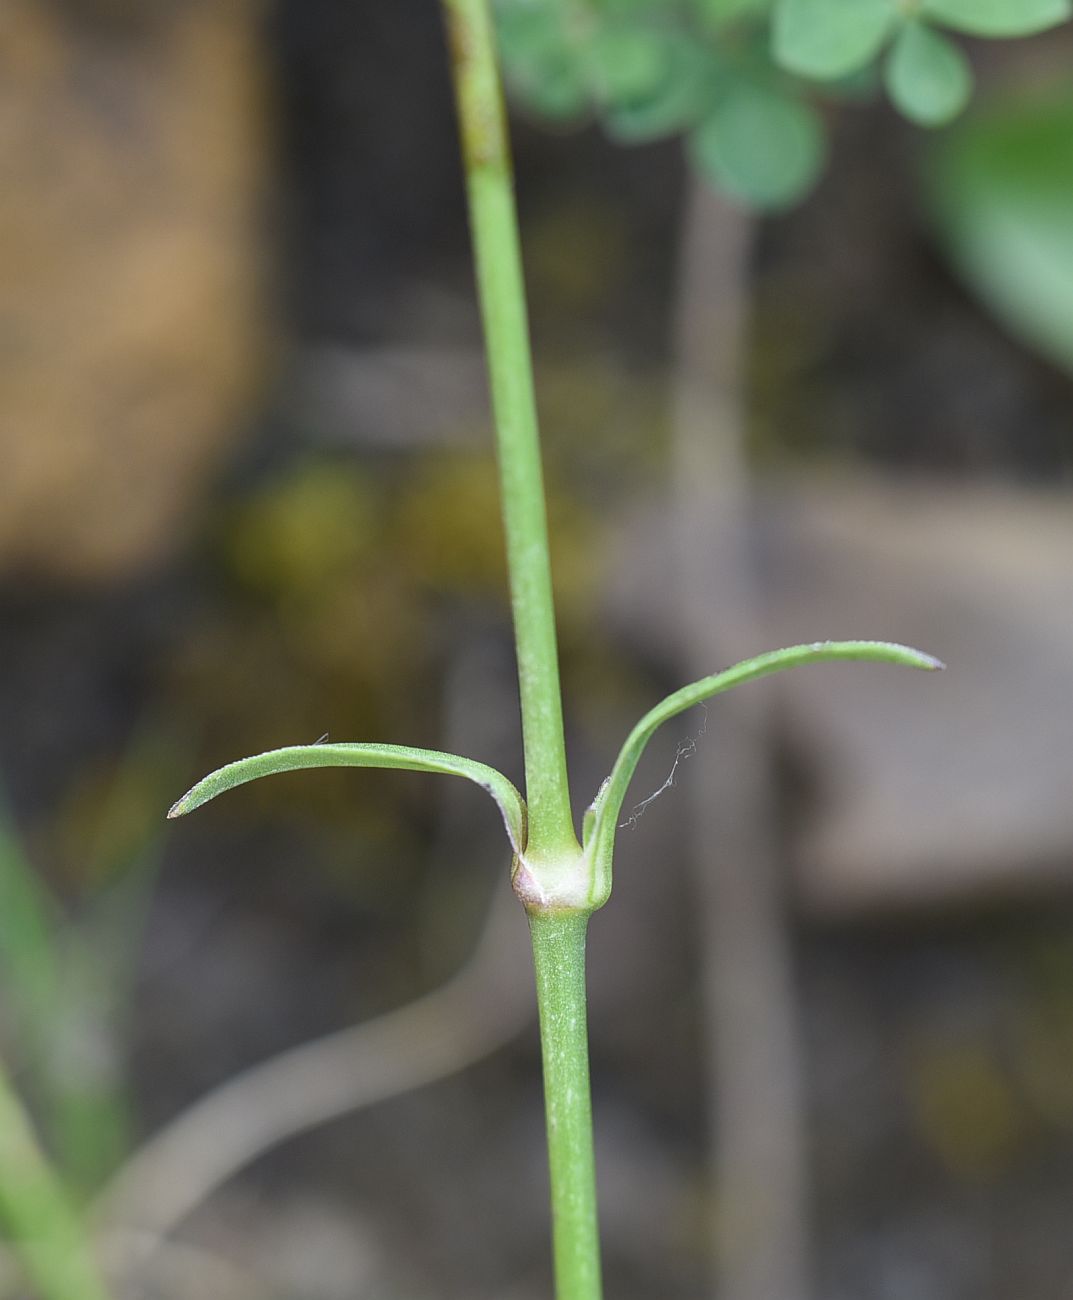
755	1128
469	1016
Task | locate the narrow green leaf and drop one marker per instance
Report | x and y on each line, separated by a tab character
761	146
997	17
603	821
830	38
928	78
511	804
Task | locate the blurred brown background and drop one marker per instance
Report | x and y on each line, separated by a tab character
247	498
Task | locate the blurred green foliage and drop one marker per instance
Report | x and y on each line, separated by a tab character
741	80
1001	190
68	969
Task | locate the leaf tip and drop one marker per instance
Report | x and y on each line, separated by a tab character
183	806
907	655
914	658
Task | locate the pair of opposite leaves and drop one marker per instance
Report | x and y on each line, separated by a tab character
602	817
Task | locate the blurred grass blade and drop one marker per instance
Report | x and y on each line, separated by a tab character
41	1225
84	1077
607	808
29	958
511	804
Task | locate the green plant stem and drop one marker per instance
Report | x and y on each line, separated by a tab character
558	935
500	285
44	1231
559	958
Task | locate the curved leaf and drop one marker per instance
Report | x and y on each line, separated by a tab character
603	817
511	804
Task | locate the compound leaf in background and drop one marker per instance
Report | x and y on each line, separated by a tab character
826	39
1001	189
761	146
928	78
997	17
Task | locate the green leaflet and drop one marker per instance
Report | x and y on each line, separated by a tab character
760	145
511	804
826	39
602	819
928	78
997	17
